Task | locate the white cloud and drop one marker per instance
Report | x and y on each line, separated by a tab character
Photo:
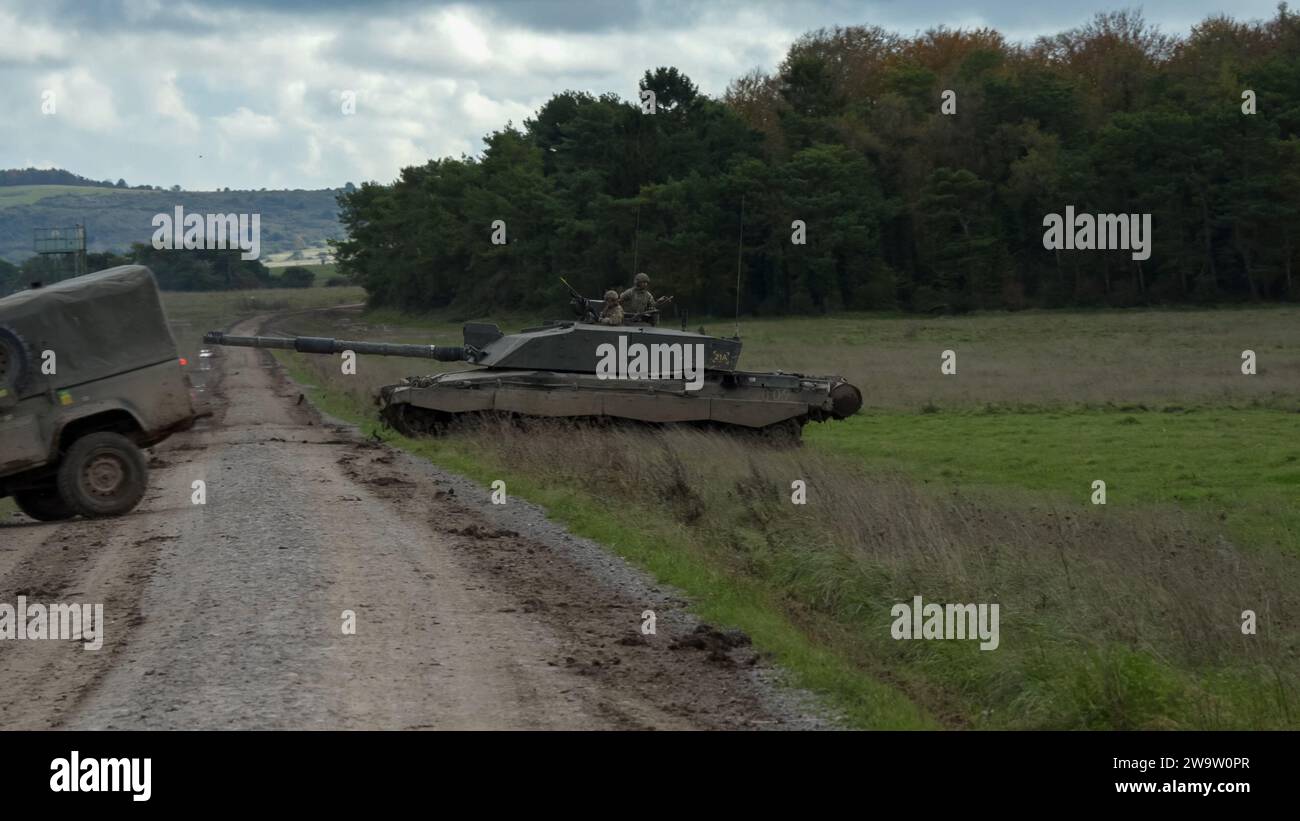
170	104
148	86
466	37
23	41
81	100
310	165
488	114
244	124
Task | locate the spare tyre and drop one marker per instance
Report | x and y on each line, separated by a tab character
16	365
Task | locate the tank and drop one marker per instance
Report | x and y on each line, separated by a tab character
581	369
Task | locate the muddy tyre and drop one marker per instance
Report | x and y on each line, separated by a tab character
103	474
43	505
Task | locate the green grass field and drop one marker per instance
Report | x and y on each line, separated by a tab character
309	258
11	195
1240	468
322	272
1152	403
973	487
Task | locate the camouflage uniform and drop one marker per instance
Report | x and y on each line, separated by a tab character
612	313
637	302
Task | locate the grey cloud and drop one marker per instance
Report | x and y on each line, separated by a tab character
539	15
423	103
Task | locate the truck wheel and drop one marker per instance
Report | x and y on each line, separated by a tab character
103	474
43	505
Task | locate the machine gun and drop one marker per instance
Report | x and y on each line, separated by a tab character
588	309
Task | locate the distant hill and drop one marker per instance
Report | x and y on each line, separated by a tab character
54	176
115	217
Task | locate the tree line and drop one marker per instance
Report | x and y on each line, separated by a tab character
920	168
175	270
58	176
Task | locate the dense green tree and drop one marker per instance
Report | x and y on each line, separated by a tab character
296	276
10	277
902	203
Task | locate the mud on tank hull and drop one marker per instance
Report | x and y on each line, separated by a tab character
769	402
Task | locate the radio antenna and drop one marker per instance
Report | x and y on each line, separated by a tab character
636	236
740	245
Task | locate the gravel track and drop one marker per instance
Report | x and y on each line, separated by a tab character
229	615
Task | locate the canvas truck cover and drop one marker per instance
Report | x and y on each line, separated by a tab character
98	325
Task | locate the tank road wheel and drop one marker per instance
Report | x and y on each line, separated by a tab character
392	417
784	434
43	504
103	474
414	422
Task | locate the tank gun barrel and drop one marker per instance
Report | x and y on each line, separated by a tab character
326	345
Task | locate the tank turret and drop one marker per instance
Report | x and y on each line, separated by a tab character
575	369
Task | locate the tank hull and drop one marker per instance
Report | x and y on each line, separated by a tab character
576	370
749	401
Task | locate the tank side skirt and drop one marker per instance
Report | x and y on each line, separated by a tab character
644	407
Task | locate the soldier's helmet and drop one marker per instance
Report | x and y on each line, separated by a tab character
641	278
611	296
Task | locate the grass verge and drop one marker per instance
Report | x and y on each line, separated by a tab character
1114	617
667	551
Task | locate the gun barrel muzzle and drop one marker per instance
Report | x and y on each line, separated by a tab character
326	345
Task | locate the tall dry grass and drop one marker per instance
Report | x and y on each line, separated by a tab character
1108	617
1040	358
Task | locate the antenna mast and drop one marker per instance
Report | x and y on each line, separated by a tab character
636	235
740	245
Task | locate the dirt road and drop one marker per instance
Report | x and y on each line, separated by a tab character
231	614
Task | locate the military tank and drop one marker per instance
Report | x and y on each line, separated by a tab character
583	369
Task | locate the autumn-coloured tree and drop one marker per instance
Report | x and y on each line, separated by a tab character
920	168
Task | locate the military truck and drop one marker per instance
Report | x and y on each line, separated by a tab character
89	375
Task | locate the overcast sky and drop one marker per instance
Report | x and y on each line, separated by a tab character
250	94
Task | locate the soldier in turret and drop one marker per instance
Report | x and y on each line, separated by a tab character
612	313
637	300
